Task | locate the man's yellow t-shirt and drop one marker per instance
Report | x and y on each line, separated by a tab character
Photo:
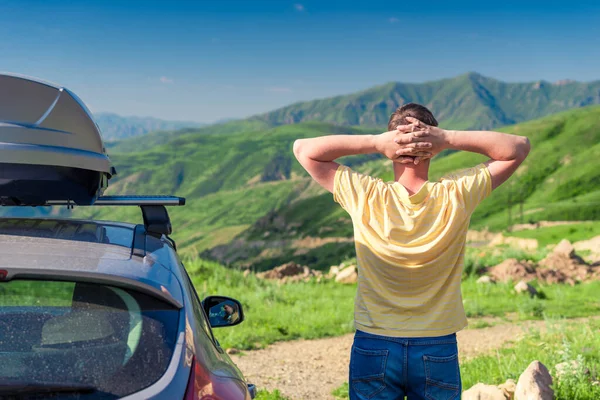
410	250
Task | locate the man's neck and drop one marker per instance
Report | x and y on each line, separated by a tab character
411	176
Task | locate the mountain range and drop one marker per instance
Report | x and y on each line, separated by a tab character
250	204
468	101
115	127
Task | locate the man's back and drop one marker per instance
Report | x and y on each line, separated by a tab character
410	250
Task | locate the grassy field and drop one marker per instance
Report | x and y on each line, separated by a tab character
275	312
562	342
554	234
311	310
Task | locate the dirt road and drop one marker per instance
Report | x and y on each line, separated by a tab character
311	369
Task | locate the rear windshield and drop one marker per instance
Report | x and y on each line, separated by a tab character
83	335
82	231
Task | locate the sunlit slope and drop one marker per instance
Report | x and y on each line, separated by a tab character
468	101
249	186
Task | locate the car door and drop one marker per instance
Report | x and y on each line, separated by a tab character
204	337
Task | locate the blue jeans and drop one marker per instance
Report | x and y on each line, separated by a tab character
384	368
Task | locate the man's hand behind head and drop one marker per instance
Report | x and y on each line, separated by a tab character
418	134
412	147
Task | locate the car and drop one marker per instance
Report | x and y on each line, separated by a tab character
94	309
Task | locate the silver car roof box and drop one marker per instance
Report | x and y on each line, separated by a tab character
50	146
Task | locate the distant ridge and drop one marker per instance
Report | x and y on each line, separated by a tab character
468	101
115	127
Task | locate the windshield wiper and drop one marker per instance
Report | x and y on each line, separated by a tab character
29	388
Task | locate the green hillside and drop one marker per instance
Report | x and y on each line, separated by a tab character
251	204
468	101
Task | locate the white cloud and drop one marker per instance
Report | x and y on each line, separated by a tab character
278	89
393	20
166	80
299	7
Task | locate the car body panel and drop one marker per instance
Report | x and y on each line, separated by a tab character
35	254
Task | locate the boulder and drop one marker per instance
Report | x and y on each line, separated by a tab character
485	279
535	383
523	287
551	276
333	270
564	247
563	258
482	391
508	388
290	272
512	270
564	265
347	275
289	269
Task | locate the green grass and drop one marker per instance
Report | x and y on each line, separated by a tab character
341	392
556	301
267	395
554	234
562	342
277	312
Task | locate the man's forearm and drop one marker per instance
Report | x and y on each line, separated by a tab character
330	148
496	145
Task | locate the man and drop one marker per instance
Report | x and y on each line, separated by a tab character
410	239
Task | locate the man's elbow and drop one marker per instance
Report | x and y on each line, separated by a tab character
297	148
523	148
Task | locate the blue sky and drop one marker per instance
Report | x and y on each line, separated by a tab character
208	60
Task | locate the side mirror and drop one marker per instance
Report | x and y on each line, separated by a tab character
223	311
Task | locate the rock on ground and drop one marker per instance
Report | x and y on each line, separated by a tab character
485	279
347	275
512	269
290	272
564	261
482	391
523	287
508	388
562	265
535	383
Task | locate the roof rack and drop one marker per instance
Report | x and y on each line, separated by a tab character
154	212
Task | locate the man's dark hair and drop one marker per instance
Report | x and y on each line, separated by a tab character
411	110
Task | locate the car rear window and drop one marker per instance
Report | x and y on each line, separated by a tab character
82	231
70	334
